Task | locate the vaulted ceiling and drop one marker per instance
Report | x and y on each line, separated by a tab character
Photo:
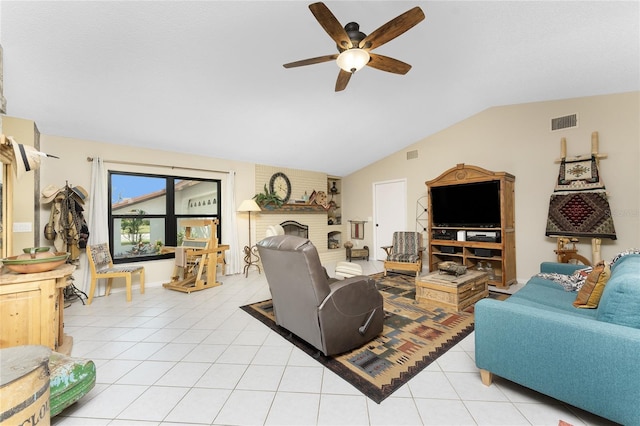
206	77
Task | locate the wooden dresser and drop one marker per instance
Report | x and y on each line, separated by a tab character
32	309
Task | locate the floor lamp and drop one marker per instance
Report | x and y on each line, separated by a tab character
251	257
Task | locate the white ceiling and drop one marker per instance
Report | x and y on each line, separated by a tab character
206	77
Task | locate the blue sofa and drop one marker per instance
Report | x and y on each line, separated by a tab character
588	358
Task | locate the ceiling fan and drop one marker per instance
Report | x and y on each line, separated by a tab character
355	47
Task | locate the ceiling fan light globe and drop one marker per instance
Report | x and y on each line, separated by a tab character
353	60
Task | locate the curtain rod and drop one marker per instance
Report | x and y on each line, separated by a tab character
131	163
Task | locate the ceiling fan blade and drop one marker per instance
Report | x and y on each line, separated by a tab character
393	28
343	80
331	25
385	63
311	61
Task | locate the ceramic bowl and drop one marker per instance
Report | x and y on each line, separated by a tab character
31	266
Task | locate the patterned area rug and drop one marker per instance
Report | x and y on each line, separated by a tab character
414	335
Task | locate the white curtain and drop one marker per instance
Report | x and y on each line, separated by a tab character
230	227
97	220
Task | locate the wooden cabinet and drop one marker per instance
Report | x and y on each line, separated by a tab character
452	243
32	309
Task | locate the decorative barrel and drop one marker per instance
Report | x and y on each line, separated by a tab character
24	385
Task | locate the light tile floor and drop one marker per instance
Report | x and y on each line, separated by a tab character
170	358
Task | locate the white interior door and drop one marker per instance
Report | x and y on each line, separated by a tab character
390	213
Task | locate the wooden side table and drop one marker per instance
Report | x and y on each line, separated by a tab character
458	292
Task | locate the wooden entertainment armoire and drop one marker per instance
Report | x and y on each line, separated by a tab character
500	254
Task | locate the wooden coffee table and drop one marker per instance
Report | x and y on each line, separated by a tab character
458	292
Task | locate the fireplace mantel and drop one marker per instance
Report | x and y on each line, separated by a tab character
294	208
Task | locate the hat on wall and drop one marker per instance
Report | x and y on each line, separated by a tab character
27	158
79	193
49	193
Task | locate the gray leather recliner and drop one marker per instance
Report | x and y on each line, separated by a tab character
333	316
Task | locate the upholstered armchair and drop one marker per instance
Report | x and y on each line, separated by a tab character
333	316
406	252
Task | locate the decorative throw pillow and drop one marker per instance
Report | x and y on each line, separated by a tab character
590	293
579	277
573	282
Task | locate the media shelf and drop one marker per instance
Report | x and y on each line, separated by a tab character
450	243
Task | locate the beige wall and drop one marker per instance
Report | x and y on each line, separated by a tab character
517	139
302	181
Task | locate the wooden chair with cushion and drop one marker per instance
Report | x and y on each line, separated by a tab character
101	266
406	252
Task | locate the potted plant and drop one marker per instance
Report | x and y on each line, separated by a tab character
267	198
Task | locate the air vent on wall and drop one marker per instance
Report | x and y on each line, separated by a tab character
565	122
412	154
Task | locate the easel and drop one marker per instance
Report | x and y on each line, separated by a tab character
195	257
566	254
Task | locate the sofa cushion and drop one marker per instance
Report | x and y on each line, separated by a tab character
590	293
560	268
620	302
556	308
546	294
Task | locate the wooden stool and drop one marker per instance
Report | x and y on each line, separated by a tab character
356	253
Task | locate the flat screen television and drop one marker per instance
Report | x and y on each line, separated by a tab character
468	205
